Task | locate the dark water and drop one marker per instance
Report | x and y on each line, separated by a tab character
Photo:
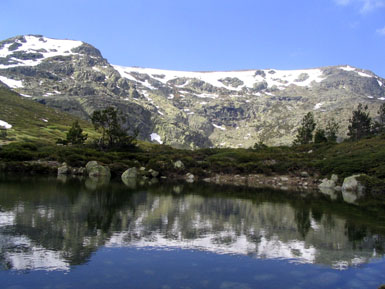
80	234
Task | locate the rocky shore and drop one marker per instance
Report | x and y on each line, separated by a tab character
350	189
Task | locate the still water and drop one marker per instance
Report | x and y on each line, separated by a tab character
73	233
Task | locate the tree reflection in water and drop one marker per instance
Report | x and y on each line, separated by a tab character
50	224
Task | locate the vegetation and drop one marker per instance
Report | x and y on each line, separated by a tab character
305	131
109	122
33	121
331	131
320	136
75	135
360	124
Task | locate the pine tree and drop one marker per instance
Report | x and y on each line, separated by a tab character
331	130
75	135
360	124
109	122
319	136
379	126
305	131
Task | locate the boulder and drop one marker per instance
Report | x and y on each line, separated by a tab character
328	187
189	178
178	164
352	184
352	189
131	173
78	171
327	184
304	174
284	179
64	169
153	173
94	169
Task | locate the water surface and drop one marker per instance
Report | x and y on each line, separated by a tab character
81	234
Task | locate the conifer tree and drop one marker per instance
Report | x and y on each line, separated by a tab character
305	131
331	130
360	124
75	135
319	136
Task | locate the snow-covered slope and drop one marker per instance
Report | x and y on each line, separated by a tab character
183	108
222	79
37	47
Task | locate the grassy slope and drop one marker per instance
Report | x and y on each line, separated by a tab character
26	117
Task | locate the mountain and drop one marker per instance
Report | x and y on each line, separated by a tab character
186	109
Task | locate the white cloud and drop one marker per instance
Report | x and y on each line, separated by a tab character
364	6
369	5
343	2
381	31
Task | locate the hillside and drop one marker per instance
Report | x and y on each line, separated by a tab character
187	109
31	120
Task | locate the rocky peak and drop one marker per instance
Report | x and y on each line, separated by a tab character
183	108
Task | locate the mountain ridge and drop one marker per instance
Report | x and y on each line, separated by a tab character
186	109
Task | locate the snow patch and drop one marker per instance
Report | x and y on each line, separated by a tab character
218	126
363	74
5	124
11	82
318	105
348	68
369	96
25	95
155	137
380	83
381	98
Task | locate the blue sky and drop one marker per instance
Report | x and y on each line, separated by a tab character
203	35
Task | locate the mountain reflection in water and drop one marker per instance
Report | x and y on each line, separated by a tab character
50	225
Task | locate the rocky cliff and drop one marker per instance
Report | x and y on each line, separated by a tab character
186	109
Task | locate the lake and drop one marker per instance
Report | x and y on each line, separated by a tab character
79	233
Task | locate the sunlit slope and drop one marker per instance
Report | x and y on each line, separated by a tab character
31	120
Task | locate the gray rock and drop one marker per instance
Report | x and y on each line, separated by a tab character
284	179
352	184
64	169
178	164
304	174
129	177
189	178
327	187
153	173
334	178
78	171
131	173
94	169
352	189
328	184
